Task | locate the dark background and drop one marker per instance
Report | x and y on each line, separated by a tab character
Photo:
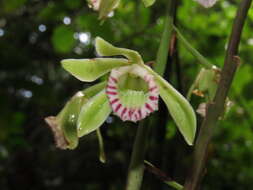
36	34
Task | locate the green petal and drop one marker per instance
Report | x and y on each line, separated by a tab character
90	69
148	3
179	108
93	114
64	125
104	48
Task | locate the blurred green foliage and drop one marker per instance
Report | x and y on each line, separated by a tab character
35	35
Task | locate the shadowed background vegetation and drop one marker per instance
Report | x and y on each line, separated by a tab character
36	34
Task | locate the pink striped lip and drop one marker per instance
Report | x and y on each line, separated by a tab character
153	98
111	93
132	113
111	87
114	101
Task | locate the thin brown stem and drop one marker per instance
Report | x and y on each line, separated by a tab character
216	108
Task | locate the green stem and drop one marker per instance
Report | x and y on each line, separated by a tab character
136	167
102	157
204	62
162	54
216	108
174	184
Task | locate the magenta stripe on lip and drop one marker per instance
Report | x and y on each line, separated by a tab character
130	113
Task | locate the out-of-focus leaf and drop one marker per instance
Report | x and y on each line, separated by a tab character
73	4
11	5
242	78
148	3
91	69
93	114
63	39
52	12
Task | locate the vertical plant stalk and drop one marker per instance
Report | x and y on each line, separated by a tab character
216	108
162	54
136	167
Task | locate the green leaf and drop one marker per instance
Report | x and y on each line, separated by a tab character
91	69
93	114
148	3
74	4
179	108
104	48
62	39
64	125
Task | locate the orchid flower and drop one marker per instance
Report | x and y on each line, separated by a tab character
131	92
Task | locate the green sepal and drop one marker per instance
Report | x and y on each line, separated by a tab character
179	108
104	48
93	114
89	70
148	3
107	6
64	125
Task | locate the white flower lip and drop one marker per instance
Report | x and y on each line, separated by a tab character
128	113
